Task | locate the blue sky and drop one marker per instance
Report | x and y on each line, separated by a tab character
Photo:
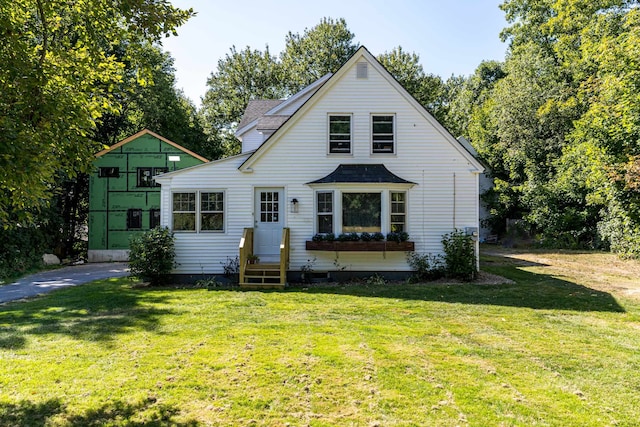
450	36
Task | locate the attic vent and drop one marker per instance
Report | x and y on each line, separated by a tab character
361	70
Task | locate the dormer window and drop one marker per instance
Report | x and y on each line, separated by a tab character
339	134
382	134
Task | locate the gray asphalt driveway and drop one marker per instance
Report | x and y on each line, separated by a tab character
47	281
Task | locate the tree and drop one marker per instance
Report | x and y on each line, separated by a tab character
153	102
320	50
240	77
56	81
428	89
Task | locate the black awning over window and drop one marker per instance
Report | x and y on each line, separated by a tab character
362	174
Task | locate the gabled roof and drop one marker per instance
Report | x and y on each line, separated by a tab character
362	174
361	53
155	135
256	108
271	122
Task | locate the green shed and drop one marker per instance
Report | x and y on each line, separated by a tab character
123	197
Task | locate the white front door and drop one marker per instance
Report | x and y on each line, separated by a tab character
269	221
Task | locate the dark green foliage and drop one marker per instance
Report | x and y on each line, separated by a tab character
401	236
152	255
21	250
377	237
425	267
459	255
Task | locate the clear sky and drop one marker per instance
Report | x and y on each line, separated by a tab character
450	36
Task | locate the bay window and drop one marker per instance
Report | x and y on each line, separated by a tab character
360	210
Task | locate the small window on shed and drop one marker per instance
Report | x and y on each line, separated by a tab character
159	171
145	177
154	218
109	172
134	219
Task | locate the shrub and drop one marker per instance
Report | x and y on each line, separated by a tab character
425	267
365	237
375	280
377	236
401	236
459	255
152	255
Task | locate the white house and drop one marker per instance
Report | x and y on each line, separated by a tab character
353	152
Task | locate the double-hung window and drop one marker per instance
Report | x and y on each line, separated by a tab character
339	134
184	211
382	133
211	211
325	211
198	211
398	212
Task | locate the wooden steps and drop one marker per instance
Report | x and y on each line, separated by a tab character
263	276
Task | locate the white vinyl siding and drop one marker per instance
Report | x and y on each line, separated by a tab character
422	155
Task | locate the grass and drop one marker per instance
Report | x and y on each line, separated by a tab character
560	347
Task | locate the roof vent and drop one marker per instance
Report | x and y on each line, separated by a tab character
361	70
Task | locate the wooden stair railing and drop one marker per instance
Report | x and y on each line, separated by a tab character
263	275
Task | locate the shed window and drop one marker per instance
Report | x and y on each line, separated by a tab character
109	172
144	177
158	171
382	134
154	218
134	219
340	134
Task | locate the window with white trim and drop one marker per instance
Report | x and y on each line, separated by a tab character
398	211
212	211
340	134
361	212
382	134
324	209
201	211
184	211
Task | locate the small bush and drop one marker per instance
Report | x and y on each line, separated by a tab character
425	267
152	255
365	237
377	236
459	255
375	280
401	236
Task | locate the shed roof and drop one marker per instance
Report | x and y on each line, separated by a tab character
362	174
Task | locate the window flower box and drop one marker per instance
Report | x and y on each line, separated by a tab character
360	246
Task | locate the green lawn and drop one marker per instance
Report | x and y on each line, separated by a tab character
554	349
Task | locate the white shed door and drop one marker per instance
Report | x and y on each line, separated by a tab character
268	222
